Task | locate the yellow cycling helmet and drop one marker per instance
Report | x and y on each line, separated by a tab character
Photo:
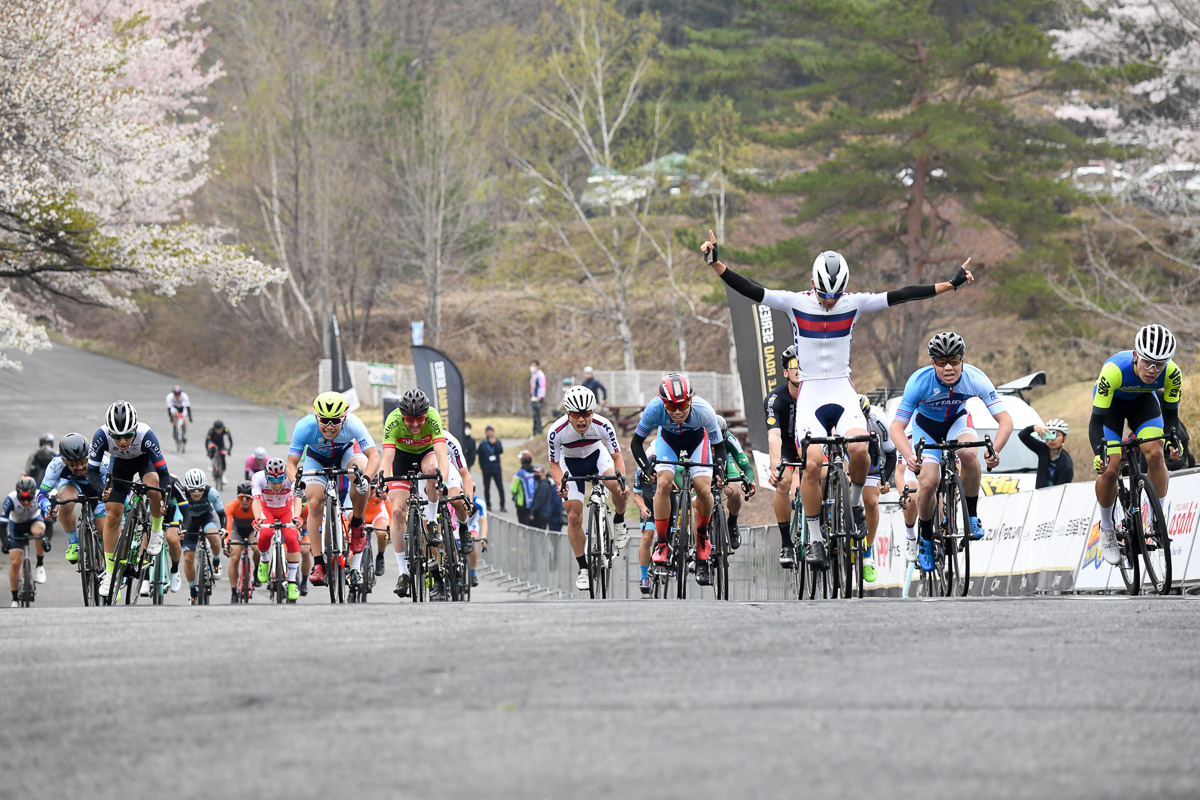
331	404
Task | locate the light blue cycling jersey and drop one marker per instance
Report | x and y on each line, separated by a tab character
701	417
926	395
59	475
478	512
320	449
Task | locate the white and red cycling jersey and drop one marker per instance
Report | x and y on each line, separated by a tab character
271	495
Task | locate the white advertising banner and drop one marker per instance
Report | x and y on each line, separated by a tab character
1182	508
1070	535
887	552
991	511
1094	573
1008	529
1035	540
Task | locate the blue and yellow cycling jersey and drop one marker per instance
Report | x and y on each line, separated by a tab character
1119	381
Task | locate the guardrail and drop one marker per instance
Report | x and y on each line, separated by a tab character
1041	542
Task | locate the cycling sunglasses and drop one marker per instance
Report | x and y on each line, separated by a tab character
830	295
1154	366
331	421
678	406
128	437
953	361
409	419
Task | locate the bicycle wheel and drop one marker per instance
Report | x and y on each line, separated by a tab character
841	529
332	552
25	587
800	577
156	585
606	550
957	571
1129	535
592	543
720	555
415	547
89	576
203	565
1155	544
120	557
366	576
683	537
450	557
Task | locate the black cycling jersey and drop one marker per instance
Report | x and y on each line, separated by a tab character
780	408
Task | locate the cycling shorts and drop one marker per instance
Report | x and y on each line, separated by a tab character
21	531
405	463
126	469
191	541
194	524
668	446
291	537
930	431
598	463
241	534
1142	413
348	455
823	404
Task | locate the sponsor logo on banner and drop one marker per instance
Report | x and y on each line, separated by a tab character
1091	551
1000	484
882	548
1181	518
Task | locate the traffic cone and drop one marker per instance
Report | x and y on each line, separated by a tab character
281	437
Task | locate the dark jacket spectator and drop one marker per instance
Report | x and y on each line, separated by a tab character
489	451
557	516
524	484
468	446
1055	467
542	509
598	389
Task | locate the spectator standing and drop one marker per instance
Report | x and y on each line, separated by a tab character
542	509
524	483
468	446
35	466
1055	466
489	451
589	380
537	394
557	515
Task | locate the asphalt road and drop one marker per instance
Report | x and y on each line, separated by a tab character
1056	697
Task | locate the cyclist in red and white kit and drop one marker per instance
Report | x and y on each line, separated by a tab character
823	320
274	501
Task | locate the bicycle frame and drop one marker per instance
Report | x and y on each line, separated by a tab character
90	563
951	547
335	544
416	548
598	547
1137	532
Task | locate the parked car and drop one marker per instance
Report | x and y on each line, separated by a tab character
1099	177
1169	186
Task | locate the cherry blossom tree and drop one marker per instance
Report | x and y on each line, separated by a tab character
101	146
1146	56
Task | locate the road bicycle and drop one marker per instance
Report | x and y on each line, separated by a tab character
179	431
598	532
681	550
414	531
951	574
130	558
448	566
217	467
719	534
244	570
277	568
1139	521
842	573
336	545
26	585
206	578
362	582
157	580
90	563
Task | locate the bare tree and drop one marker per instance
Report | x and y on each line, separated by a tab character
597	63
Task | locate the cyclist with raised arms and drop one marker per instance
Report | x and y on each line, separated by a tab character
823	320
585	443
414	441
934	401
1125	393
683	422
780	408
66	479
134	451
331	437
274	501
178	405
879	479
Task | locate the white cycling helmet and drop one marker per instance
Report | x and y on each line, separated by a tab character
579	399
194	479
1059	425
1154	343
830	273
260	453
121	419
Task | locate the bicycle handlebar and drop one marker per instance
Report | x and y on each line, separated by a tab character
952	447
618	477
81	500
138	488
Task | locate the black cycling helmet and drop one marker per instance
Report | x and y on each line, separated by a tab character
26	487
244	488
47	440
947	344
413	403
73	447
788	354
218	424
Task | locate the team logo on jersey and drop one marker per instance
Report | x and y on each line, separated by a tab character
770	420
1103	387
